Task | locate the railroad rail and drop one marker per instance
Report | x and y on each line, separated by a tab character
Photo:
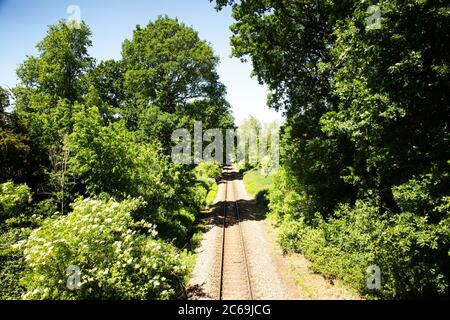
234	282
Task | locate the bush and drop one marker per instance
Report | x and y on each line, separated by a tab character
118	257
13	199
411	247
208	169
207	173
12	264
285	201
412	254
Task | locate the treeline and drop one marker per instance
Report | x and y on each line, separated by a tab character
91	205
365	177
258	146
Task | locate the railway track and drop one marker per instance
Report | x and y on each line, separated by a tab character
234	282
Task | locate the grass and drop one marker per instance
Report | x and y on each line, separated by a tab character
255	182
211	194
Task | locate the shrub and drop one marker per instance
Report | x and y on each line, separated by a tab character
11	264
412	254
207	173
208	169
13	199
118	257
285	201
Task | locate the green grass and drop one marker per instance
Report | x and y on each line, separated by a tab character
255	182
211	194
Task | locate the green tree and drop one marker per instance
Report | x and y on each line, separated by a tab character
61	64
169	65
14	148
50	83
171	78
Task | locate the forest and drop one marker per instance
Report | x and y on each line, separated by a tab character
87	180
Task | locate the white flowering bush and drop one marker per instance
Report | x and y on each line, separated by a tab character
118	258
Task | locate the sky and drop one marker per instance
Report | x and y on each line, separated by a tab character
23	23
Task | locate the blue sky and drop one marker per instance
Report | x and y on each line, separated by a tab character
23	23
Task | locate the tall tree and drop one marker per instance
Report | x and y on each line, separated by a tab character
169	65
367	127
171	80
50	84
61	63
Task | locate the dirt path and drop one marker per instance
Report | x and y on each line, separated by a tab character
272	275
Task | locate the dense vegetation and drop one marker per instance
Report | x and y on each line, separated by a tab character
365	175
86	178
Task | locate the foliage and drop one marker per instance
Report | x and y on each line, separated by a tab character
111	160
14	226
258	145
168	63
404	246
410	247
209	170
13	199
366	140
62	62
12	264
4	100
207	174
14	147
78	129
118	257
255	182
170	80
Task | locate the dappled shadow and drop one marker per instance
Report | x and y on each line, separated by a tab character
197	292
248	209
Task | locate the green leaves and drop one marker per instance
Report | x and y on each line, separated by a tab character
63	59
13	199
365	144
118	258
167	63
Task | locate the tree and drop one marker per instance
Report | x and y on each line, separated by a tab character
50	83
4	100
169	65
170	72
249	132
61	64
14	146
